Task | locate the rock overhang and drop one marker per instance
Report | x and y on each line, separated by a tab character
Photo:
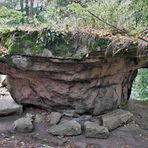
81	71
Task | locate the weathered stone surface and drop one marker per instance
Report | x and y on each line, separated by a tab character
72	86
24	124
96	82
116	118
2	77
9	106
3	81
39	118
67	128
93	130
55	117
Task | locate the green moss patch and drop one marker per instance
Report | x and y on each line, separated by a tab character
101	42
18	42
61	44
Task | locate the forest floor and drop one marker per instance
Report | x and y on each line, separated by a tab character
132	135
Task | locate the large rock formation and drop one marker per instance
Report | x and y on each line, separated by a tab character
81	71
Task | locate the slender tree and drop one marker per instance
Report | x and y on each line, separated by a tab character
31	14
22	5
27	7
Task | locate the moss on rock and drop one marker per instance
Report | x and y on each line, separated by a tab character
61	44
64	44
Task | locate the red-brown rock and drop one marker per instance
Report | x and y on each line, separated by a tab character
95	83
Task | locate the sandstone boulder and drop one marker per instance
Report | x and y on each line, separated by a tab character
2	78
9	106
93	130
85	72
67	128
24	124
116	118
55	117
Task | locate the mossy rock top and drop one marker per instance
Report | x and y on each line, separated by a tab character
49	43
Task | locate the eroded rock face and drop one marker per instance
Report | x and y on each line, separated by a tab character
55	117
93	82
116	118
8	105
93	130
24	124
89	85
69	128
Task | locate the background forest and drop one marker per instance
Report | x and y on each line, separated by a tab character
130	16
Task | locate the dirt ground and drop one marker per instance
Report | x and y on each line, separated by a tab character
132	135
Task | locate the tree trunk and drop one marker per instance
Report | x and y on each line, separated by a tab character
22	5
31	9
27	7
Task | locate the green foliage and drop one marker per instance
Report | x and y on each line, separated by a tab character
20	42
5	29
9	4
60	44
126	15
130	15
80	17
10	16
140	12
140	85
102	43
